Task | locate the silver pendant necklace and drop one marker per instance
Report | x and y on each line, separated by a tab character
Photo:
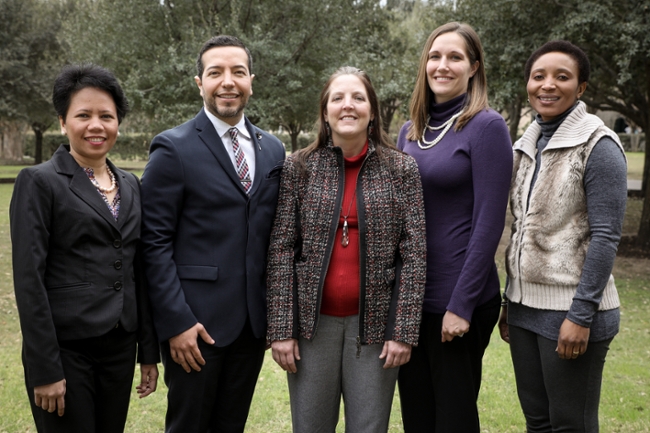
447	126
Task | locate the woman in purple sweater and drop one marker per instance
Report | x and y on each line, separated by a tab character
464	155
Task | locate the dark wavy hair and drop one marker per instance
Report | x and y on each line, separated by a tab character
74	78
565	47
376	134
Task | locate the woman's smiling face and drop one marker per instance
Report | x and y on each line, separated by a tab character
448	68
553	85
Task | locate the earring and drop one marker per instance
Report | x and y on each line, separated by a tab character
371	129
328	129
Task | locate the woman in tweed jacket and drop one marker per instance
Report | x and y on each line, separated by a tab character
346	265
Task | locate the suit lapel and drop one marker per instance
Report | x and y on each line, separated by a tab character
80	185
126	195
209	136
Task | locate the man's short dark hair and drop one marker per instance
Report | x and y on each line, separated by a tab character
222	41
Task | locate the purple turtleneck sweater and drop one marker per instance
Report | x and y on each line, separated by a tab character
466	178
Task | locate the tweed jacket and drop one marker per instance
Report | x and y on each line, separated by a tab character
392	245
550	232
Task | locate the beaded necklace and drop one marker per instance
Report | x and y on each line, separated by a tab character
447	126
108	190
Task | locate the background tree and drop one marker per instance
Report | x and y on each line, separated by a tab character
30	56
391	53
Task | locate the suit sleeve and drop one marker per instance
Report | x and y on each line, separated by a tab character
148	352
162	202
30	219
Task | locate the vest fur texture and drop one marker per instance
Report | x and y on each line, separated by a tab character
549	240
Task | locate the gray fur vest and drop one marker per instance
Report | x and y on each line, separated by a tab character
550	233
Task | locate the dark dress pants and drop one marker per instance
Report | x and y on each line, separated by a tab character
99	376
217	398
557	395
439	386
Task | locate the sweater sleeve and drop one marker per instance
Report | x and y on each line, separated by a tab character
491	162
605	184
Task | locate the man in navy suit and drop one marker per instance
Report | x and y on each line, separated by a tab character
209	195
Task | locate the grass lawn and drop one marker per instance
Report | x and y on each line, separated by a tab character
625	402
635	165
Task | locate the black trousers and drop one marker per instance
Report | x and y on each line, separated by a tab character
439	386
557	395
217	398
99	376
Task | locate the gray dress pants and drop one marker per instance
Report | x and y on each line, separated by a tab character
331	367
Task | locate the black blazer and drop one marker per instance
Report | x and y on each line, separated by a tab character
205	240
74	273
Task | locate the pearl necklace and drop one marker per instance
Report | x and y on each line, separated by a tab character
446	126
108	190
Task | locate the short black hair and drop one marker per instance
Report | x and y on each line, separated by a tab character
74	78
566	47
222	41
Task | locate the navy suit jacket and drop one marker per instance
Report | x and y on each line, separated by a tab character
205	241
75	268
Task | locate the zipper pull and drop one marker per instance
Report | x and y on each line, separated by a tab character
358	346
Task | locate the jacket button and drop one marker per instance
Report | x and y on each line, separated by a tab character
117	285
117	243
118	264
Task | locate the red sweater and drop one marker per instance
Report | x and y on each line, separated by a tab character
341	288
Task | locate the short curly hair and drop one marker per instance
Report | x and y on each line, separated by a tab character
564	47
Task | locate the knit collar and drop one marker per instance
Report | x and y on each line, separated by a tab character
575	130
550	126
439	113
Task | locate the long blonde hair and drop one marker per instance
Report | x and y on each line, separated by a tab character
421	98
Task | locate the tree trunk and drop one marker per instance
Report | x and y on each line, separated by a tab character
388	109
38	143
11	140
643	237
514	117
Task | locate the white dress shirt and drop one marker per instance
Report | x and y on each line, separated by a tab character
244	138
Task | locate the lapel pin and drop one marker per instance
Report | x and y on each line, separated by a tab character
259	138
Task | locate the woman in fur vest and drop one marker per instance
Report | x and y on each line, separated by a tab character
568	197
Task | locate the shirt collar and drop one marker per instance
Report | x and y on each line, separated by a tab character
222	127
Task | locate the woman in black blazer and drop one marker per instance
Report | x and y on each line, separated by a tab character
75	229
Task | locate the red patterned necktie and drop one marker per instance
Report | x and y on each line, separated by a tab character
240	159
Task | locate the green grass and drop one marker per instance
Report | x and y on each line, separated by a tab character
625	405
635	165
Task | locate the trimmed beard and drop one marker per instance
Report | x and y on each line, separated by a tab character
226	112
